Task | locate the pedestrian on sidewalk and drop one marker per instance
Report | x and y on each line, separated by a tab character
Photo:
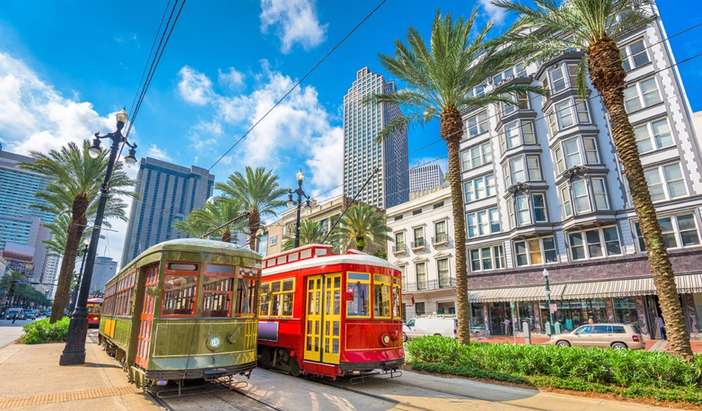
660	324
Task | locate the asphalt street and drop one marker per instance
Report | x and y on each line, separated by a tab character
10	332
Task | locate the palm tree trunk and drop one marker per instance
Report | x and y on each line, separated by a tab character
73	236
254	226
226	235
451	127
608	76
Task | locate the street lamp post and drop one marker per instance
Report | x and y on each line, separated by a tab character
300	193
74	296
74	351
548	302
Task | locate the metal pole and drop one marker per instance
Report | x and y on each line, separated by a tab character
297	218
80	277
548	301
74	351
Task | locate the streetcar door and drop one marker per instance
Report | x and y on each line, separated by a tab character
332	318
313	323
146	319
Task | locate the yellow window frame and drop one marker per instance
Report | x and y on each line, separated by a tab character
272	296
369	296
396	298
264	297
383	281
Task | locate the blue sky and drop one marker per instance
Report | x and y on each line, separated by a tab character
66	66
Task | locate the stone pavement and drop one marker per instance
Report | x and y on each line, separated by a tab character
10	332
31	379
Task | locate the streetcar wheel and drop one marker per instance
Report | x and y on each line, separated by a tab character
294	367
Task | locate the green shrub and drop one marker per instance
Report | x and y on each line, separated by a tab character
589	368
42	331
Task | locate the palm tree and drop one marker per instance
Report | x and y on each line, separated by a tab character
547	30
441	81
75	180
363	226
217	217
259	194
311	232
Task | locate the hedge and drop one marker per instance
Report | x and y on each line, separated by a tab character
42	331
627	373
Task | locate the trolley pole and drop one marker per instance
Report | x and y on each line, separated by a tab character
300	193
74	351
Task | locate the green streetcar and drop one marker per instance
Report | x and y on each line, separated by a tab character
183	309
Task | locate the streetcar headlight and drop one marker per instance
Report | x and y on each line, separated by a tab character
214	342
386	339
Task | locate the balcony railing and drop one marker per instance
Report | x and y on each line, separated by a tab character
399	249
441	238
418	243
431	285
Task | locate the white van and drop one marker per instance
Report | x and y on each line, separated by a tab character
433	325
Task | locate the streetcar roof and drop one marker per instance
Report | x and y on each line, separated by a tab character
354	257
199	244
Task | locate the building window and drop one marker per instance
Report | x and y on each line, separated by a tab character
665	182
479	188
419	308
477	124
418	237
634	55
641	94
653	135
515	171
576	195
476	156
440	234
678	231
442	266
527	209
521	102
274	239
594	243
516	134
487	258
557	80
421	272
576	151
567	113
400	241
535	251
509	74
483	222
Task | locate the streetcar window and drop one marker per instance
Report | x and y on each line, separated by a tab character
293	257
381	296
265	300
178	295
245	296
217	292
219	268
396	298
357	286
320	252
280	296
281	259
182	266
306	253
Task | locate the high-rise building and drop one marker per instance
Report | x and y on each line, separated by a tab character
425	178
166	193
104	269
21	224
363	121
545	193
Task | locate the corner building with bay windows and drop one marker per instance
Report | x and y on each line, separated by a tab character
543	188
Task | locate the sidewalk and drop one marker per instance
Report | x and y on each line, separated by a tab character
31	379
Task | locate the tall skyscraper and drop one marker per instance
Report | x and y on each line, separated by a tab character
166	194
104	269
21	224
362	153
425	178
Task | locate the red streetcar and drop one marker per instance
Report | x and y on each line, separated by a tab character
329	315
94	305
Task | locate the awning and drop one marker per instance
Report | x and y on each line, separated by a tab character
515	294
686	284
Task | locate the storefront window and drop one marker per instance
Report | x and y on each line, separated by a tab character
476	316
445	308
625	310
574	313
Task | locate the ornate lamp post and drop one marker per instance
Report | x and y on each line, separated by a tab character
84	251
300	193
548	302
74	351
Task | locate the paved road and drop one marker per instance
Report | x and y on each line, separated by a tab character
273	391
10	332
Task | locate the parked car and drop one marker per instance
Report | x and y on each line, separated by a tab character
14	312
31	314
432	325
605	335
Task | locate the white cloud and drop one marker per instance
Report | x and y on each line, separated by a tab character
157	152
495	13
194	87
231	78
298	131
296	22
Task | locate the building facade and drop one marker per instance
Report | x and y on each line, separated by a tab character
166	193
22	229
543	188
326	212
424	249
104	269
424	179
363	154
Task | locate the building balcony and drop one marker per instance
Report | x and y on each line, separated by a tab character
419	244
430	285
440	239
399	249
